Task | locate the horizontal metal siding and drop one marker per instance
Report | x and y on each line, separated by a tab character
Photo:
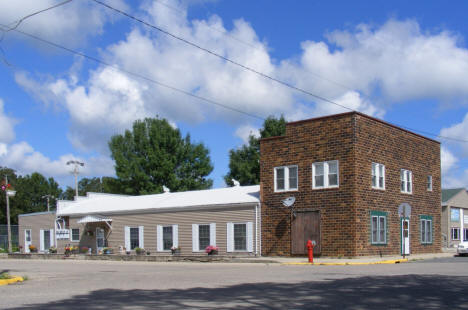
184	219
35	223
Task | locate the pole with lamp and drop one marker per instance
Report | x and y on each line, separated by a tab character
75	171
9	192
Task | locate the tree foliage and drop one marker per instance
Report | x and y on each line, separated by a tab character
95	185
154	154
244	162
29	192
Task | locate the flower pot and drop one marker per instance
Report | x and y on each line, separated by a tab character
213	252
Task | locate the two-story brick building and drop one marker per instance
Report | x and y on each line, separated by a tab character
349	174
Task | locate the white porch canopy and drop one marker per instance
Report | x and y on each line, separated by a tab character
94	219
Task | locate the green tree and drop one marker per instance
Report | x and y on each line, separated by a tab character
29	192
95	185
154	154
244	162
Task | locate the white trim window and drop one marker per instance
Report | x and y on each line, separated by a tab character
455	232
378	176
426	231
75	235
167	236
286	178
240	237
406	181
134	237
203	235
325	174
429	183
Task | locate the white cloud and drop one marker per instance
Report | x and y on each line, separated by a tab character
448	161
366	69
64	24
245	131
458	131
25	160
7	133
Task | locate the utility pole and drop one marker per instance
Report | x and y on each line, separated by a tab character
8	193
75	171
48	196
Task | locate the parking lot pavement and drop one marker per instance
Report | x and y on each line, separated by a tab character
134	285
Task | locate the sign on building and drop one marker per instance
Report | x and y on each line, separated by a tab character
63	234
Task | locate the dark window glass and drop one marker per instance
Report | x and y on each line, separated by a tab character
75	234
240	237
134	238
203	236
280	178
46	239
167	238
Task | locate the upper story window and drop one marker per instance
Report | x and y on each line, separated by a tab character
454	214
325	174
378	176
286	178
406	182
429	183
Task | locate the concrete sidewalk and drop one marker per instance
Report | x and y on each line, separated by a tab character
362	260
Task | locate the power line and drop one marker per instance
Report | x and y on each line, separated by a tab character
186	41
19	21
222	57
115	67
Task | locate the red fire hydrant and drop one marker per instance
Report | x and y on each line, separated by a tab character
310	249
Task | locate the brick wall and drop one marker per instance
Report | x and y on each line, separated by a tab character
305	143
396	149
356	141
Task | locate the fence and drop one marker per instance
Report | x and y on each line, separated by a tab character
4	236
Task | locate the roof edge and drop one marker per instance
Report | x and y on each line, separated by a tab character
36	213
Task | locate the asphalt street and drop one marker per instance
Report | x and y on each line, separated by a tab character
55	284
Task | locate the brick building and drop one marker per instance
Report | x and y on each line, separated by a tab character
349	173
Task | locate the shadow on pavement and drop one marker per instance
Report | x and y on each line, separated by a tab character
392	292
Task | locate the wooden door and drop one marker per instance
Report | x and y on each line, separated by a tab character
305	226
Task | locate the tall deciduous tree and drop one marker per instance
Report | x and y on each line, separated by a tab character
154	154
108	185
244	162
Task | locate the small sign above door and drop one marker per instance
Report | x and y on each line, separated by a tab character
404	210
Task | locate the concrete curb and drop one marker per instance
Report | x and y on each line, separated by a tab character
393	261
12	280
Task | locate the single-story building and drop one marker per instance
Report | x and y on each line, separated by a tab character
228	218
454	216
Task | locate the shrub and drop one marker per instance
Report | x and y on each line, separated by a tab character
33	248
139	251
53	250
84	249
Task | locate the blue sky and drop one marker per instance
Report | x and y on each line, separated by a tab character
406	63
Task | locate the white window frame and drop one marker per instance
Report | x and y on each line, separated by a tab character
249	237
71	235
429	183
404	173
378	241
426	231
195	236
452	230
160	239
376	172
286	178
326	174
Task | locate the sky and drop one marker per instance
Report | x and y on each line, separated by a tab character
405	62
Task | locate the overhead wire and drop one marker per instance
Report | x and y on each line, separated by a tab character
6	28
115	67
245	67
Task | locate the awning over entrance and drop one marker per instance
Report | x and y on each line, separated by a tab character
94	219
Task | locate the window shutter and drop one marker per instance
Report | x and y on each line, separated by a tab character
213	234
127	238
230	237
175	235
41	240
52	237
141	237
195	247
249	237
159	238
